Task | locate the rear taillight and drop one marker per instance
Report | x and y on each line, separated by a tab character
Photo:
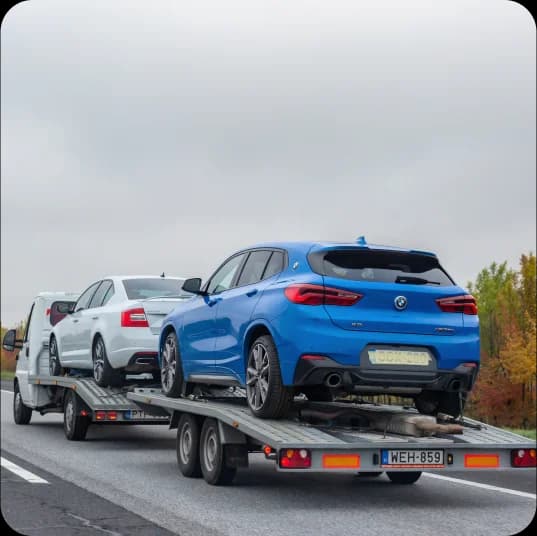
523	458
458	304
134	318
295	458
307	294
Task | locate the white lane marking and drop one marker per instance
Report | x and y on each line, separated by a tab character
6	391
23	473
482	486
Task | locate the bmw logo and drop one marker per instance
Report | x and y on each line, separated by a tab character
400	303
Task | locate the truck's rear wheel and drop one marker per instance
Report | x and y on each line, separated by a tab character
171	371
212	459
188	452
404	477
75	425
267	397
22	414
54	366
103	373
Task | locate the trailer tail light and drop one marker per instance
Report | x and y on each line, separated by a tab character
111	415
307	294
134	318
295	458
523	458
100	415
83	413
481	461
465	304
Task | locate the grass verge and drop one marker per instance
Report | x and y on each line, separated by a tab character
7	374
531	434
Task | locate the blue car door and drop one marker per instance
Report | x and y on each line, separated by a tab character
198	334
235	309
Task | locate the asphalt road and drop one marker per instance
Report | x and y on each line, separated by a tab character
134	468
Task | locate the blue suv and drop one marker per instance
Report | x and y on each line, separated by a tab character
323	319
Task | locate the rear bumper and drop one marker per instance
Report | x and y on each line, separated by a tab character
143	362
382	380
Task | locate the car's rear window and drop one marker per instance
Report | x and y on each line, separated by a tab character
380	266
139	289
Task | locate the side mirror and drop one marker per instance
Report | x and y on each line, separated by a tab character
193	285
11	342
59	310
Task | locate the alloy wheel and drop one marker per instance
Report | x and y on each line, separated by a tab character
53	357
98	360
169	361
257	376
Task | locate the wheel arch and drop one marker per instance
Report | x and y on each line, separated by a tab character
164	332
254	331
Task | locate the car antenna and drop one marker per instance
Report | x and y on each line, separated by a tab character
361	241
162	274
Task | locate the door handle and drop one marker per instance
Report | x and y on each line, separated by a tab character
95	318
75	320
213	301
252	292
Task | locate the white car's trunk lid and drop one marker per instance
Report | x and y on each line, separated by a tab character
156	310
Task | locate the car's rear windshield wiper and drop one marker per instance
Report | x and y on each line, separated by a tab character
414	280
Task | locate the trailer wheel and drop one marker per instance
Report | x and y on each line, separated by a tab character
213	465
268	398
54	366
74	424
404	477
187	446
22	414
171	373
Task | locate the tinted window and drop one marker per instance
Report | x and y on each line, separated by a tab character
253	268
275	264
85	298
224	276
153	287
98	297
381	266
109	294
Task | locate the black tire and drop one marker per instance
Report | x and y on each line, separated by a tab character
212	461
267	397
404	478
434	402
171	372
318	393
54	366
103	373
75	425
22	414
187	446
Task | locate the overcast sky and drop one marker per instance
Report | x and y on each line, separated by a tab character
139	137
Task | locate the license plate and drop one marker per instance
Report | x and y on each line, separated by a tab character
412	458
381	356
139	415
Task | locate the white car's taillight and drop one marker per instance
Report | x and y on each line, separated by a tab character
134	318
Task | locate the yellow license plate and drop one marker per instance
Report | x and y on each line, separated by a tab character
399	357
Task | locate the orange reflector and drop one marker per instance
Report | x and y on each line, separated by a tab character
341	461
267	450
483	461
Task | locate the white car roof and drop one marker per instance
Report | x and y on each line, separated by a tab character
57	294
153	276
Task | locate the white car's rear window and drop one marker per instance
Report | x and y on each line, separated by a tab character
143	288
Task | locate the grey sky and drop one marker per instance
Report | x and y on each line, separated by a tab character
151	136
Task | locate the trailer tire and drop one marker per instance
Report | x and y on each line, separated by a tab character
22	414
187	446
171	372
75	425
263	361
103	373
212	459
54	366
404	477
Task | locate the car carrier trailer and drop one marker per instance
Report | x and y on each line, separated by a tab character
216	433
83	403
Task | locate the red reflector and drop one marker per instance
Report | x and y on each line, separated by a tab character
111	415
312	357
306	294
523	458
470	365
458	304
100	415
134	318
83	413
47	312
295	458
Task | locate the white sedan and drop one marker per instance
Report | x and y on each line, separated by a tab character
113	328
